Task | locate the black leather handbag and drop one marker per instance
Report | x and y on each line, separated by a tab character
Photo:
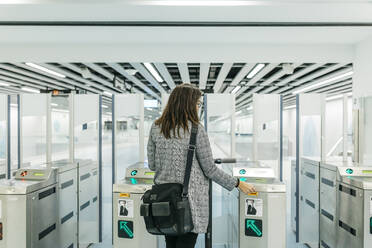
166	207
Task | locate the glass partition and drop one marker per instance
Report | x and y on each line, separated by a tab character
14	124
266	130
3	135
60	127
366	132
128	121
244	136
33	119
152	113
311	114
220	124
87	141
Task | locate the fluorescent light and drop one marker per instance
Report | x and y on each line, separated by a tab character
13	105
30	90
338	96
45	70
107	93
323	82
255	70
54	104
235	89
4	84
105	106
154	72
290	107
250	108
239	112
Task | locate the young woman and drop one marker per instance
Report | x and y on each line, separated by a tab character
167	153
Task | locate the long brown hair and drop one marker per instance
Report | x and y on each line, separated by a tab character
181	108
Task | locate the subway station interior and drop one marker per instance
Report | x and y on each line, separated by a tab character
287	106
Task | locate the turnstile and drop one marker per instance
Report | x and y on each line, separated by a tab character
88	207
308	194
67	202
328	202
29	209
128	226
293	195
354	200
262	215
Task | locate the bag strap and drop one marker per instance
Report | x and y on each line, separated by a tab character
190	158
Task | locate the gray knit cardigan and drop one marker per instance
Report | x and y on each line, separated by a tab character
167	157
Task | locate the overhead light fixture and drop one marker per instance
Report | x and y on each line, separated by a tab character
338	96
290	107
236	89
54	104
288	68
107	93
41	68
323	82
239	112
255	70
4	84
131	72
85	72
154	72
30	90
249	108
105	106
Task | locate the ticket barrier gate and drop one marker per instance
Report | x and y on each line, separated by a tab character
262	215
129	228
29	209
354	201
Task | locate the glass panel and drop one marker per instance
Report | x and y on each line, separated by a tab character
151	114
86	147
14	132
60	118
128	112
220	117
367	126
244	137
266	114
311	124
34	118
3	133
334	128
86	127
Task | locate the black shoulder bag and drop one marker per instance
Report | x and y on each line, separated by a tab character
166	208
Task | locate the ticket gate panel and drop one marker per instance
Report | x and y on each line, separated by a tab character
354	200
130	230
128	226
309	201
29	210
262	216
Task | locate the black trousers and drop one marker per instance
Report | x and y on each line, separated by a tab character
183	241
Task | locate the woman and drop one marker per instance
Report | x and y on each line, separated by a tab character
167	153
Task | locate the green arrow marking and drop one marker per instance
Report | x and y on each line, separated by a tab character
123	226
251	225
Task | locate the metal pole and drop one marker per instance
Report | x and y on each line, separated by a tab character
297	168
100	167
19	126
9	144
208	235
281	138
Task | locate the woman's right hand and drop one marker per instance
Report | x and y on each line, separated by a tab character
246	188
